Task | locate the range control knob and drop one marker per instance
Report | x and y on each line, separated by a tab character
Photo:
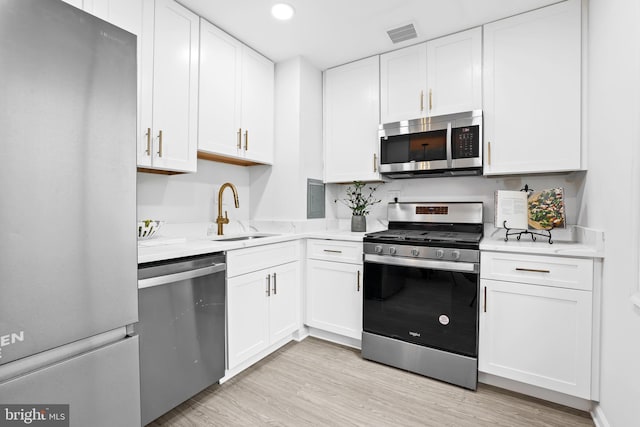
439	253
392	251
415	252
378	249
455	255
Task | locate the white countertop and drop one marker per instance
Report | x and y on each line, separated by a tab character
574	242
177	248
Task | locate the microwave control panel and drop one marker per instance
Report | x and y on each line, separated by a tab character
465	142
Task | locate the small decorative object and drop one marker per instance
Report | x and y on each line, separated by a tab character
147	228
543	212
546	209
359	204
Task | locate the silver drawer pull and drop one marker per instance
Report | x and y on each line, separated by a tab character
333	251
268	285
532	270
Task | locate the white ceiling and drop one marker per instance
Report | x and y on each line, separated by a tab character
332	32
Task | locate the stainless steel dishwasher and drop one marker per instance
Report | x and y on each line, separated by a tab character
181	306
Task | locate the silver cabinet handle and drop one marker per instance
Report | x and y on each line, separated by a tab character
268	285
159	143
485	299
358	282
332	251
148	135
533	270
176	277
275	289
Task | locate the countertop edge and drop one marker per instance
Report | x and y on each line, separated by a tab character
192	247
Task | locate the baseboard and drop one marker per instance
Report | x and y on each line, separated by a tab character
335	338
538	392
230	373
599	419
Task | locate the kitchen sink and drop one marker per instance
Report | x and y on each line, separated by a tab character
241	237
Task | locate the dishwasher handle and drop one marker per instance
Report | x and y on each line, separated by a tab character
176	277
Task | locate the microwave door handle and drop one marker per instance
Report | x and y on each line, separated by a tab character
449	145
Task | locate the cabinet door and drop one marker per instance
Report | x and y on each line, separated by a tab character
247	316
351	112
454	73
175	87
284	301
126	14
220	79
257	106
334	297
129	15
532	87
403	84
145	70
537	335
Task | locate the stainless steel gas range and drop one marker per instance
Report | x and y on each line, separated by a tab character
421	281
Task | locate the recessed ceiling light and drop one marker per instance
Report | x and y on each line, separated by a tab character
282	11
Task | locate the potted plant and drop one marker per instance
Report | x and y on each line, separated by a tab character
359	204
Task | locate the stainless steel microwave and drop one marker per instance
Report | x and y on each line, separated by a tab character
448	145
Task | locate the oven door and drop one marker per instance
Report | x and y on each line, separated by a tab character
425	302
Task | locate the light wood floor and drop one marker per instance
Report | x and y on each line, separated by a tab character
316	383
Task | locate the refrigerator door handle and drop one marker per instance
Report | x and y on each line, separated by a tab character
176	277
49	357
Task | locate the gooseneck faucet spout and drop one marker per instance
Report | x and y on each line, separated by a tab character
221	220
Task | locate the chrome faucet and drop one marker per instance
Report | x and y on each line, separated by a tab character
225	220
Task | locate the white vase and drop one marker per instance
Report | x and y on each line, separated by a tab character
358	223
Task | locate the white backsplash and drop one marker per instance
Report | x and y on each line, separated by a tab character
457	189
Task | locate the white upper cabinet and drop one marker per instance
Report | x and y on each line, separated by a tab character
403	81
441	76
126	14
220	75
76	3
454	73
169	88
351	118
257	106
236	99
532	91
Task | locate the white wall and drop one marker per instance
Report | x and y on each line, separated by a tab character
611	186
193	197
279	191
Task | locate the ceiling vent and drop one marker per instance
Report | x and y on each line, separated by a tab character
400	34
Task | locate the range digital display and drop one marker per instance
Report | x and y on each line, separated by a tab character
432	210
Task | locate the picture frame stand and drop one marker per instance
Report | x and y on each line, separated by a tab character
518	233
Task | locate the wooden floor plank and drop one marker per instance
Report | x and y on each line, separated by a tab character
316	383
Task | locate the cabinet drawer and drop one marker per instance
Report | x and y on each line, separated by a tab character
571	273
243	261
335	250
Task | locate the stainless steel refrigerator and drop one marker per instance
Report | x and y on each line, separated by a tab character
68	260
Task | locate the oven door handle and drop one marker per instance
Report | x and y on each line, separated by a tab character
466	267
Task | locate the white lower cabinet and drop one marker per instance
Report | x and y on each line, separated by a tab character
534	332
334	287
263	305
